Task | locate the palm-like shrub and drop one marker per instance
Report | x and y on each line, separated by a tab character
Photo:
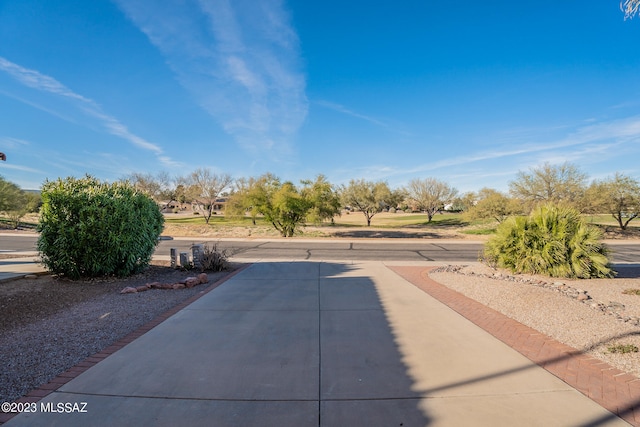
554	241
89	229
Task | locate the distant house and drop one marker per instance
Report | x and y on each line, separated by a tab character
171	206
218	205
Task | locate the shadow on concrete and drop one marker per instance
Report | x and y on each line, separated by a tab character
363	379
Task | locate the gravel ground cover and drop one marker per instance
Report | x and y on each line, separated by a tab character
48	325
603	317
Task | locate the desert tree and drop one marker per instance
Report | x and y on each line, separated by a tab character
367	197
281	204
464	202
146	183
11	196
239	203
172	188
395	198
549	183
323	197
493	204
205	187
15	202
430	195
161	187
618	195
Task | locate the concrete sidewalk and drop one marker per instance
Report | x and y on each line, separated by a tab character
317	344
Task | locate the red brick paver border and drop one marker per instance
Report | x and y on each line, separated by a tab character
613	389
44	390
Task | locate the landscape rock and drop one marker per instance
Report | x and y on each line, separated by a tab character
615	305
613	308
189	282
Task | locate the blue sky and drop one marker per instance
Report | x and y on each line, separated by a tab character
467	92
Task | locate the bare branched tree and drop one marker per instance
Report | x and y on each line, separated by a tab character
430	195
549	183
207	187
367	197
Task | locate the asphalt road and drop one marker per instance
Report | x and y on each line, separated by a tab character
325	249
345	250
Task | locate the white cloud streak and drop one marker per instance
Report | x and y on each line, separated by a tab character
397	128
585	141
19	168
342	109
240	61
8	142
585	145
41	82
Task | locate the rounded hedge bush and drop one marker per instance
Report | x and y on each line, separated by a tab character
90	229
554	241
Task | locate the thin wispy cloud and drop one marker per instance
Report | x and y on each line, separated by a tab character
386	125
582	142
19	168
240	61
38	81
38	106
584	145
9	142
342	109
89	108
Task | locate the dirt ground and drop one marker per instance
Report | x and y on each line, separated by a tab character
28	300
325	231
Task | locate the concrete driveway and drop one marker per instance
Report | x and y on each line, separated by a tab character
317	344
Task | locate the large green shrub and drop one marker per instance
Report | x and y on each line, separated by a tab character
89	228
554	241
